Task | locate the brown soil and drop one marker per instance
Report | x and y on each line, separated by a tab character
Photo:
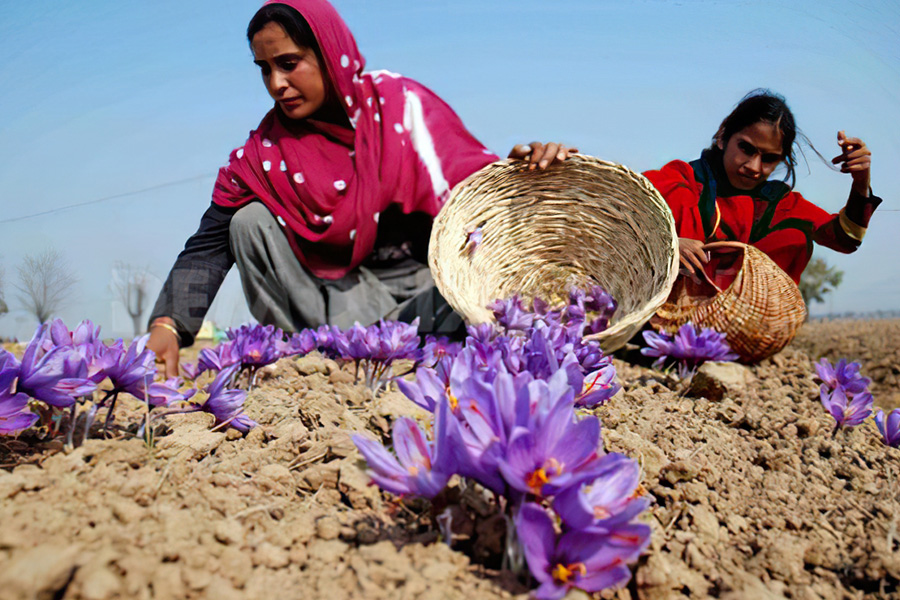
754	497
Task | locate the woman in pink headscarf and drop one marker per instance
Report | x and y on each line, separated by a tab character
326	209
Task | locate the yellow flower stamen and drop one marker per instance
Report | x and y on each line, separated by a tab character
536	480
563	573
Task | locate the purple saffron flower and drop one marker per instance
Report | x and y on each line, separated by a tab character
512	314
13	414
133	370
84	339
890	428
844	375
256	345
546	457
220	357
438	353
847	414
301	343
421	468
589	560
352	343
604	495
58	376
393	340
227	405
600	301
426	390
168	393
689	347
483	333
474	239
599	386
191	370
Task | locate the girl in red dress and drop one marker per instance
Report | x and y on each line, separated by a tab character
726	194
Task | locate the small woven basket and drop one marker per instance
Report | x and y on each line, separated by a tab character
509	230
759	312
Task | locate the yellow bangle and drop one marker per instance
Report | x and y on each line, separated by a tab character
854	230
169	327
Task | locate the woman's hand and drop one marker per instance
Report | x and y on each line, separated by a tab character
541	155
693	257
164	343
855	159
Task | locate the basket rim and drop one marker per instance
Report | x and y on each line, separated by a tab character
644	190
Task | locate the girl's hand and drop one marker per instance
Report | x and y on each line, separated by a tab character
855	159
693	257
541	155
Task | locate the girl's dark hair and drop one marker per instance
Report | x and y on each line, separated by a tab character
769	107
294	24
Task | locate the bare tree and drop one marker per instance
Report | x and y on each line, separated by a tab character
3	307
130	285
45	283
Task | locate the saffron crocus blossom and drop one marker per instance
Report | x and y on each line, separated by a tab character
394	340
689	347
843	374
438	353
13	414
256	345
227	405
301	343
421	468
847	412
168	392
133	370
84	339
600	307
58	376
474	239
352	343
511	314
589	559
603	496
890	427
426	390
599	386
219	357
191	370
546	457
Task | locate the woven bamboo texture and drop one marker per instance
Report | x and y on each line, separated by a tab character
581	222
759	312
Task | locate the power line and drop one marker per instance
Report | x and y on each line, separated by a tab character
105	198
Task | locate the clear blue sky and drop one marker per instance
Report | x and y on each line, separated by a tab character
101	98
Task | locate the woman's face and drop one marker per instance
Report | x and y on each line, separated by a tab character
292	74
751	154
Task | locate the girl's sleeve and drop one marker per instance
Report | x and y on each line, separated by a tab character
676	183
842	232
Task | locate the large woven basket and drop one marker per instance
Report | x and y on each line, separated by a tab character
759	311
509	230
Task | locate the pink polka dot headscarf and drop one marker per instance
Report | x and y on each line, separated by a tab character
327	185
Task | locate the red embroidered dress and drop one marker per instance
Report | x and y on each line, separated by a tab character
778	221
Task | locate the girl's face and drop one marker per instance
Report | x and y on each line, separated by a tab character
751	154
292	74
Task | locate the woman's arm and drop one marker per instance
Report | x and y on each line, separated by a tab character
191	286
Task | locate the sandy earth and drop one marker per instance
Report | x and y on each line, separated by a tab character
754	498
